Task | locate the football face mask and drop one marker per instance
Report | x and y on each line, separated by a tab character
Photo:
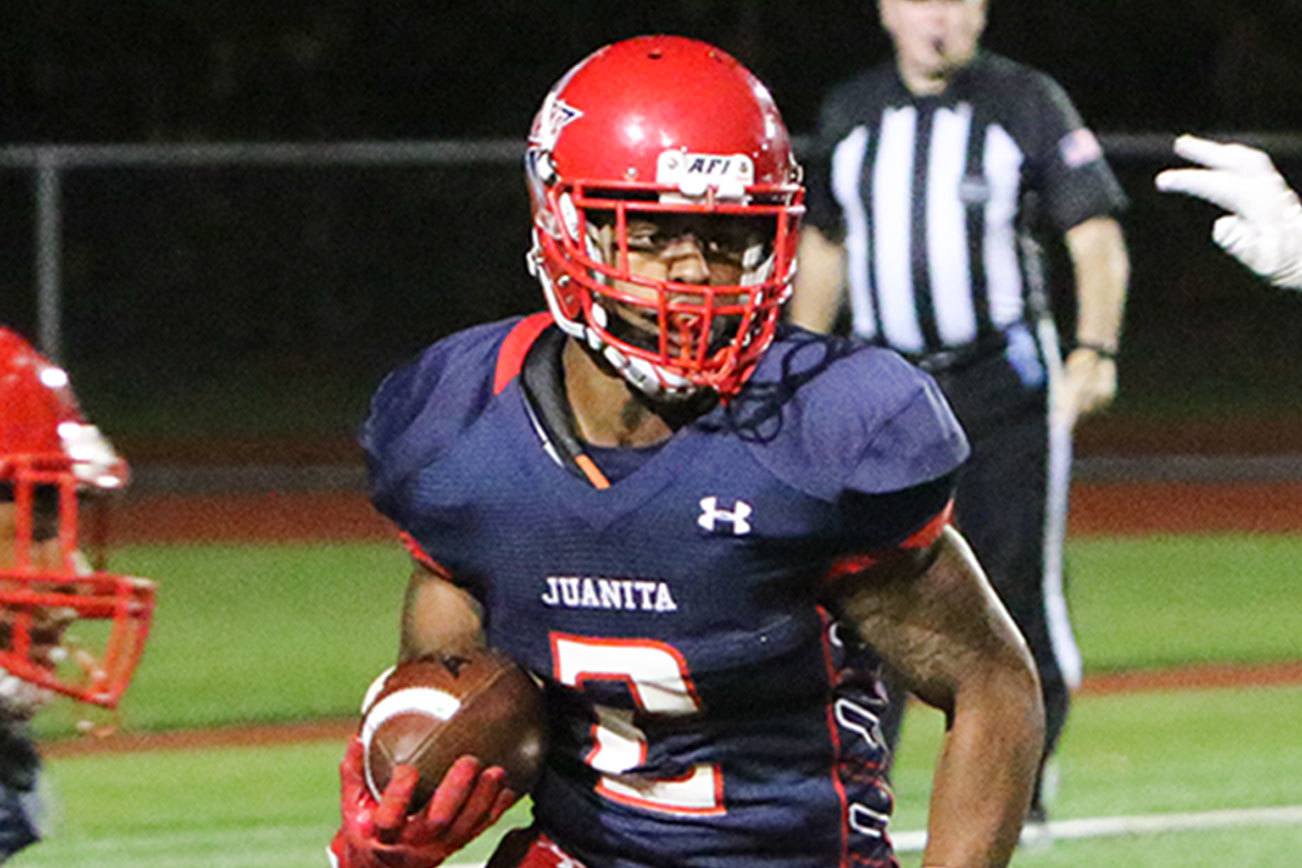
685	292
625	158
66	627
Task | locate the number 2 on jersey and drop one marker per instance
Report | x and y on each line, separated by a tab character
657	679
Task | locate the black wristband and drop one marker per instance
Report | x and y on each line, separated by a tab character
1103	352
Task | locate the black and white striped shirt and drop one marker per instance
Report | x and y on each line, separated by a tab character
934	198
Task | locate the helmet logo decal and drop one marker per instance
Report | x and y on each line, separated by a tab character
692	174
540	171
555	116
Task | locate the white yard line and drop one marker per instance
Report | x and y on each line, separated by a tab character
272	846
1145	824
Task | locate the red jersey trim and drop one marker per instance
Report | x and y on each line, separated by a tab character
510	358
420	556
922	538
834	736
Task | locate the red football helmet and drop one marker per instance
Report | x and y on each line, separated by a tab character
668	129
65	627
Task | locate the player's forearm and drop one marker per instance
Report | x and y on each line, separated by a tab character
438	616
947	633
1101	267
1102	270
986	771
820	279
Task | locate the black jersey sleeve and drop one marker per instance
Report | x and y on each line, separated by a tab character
822	211
848	106
1067	167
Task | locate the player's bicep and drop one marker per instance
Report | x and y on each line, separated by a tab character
438	615
932	615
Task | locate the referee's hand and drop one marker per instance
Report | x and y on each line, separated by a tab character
1264	228
1089	384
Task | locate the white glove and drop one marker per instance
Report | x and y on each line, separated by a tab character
1264	230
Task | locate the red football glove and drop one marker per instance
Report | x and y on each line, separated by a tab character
381	834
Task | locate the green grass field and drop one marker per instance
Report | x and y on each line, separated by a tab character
269	633
1124	755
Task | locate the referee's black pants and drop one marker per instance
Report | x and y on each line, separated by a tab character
1010	504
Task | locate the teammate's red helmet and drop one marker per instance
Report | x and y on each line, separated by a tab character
64	626
663	125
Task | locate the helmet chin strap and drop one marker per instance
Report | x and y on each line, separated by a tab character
652	380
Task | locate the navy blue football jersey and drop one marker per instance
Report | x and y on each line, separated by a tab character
699	709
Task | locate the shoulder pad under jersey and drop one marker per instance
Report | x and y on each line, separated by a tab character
420	408
829	416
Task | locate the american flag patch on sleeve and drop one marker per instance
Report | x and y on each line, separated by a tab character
1078	148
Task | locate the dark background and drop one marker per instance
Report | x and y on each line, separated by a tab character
257	302
159	70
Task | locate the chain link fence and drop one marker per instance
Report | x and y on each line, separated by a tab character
245	294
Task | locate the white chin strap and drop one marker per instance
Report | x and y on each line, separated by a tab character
650	379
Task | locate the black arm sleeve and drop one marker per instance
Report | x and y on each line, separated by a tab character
1067	166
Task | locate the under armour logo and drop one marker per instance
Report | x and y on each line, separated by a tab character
737	517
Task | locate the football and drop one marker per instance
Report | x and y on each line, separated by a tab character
428	712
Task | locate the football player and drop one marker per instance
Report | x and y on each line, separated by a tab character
66	628
659	501
1264	227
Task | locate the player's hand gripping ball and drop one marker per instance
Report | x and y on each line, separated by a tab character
428	712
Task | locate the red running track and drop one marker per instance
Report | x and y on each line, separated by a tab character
1131	509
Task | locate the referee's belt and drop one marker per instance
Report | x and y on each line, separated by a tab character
953	358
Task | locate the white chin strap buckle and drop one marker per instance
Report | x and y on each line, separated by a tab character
650	379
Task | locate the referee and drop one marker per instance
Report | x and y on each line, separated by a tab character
929	177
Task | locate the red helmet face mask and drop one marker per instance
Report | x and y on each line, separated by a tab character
65	627
645	142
